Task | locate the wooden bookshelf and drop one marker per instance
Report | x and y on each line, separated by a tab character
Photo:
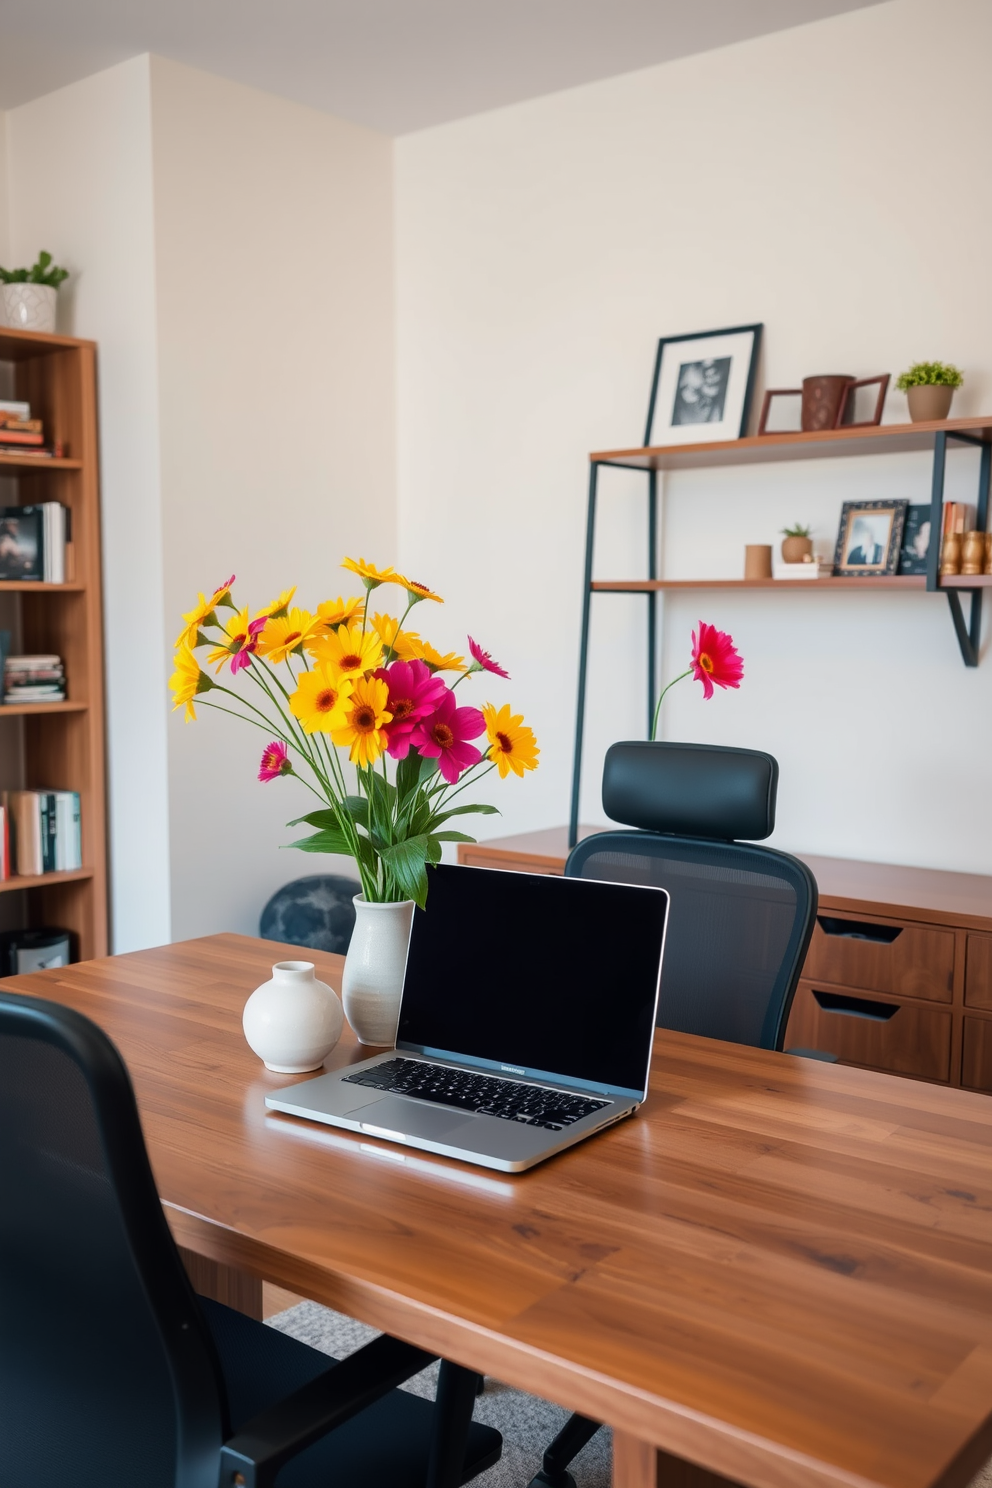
58	746
870	581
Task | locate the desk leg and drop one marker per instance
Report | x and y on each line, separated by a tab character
636	1464
223	1284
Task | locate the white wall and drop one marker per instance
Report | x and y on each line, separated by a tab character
80	186
541	251
275	309
4	235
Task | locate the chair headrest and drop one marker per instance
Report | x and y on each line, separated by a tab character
691	790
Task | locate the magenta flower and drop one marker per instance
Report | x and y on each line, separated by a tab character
414	692
484	660
444	736
275	761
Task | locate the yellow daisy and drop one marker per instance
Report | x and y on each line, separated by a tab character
285	635
348	651
418	592
365	730
278	607
333	612
187	681
239	644
424	651
513	747
320	699
402	643
371	576
202	613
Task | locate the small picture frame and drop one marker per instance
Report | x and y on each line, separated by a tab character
869	538
702	386
915	540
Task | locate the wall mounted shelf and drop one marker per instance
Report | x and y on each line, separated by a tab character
45	881
878	439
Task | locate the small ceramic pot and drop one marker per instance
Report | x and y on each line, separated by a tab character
823	401
929	401
758	561
374	968
293	1021
796	549
29	307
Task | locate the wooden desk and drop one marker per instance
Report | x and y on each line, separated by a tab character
911	946
779	1272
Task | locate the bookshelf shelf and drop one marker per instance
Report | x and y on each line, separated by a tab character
58	746
45	880
891	582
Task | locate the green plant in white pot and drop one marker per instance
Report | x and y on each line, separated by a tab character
28	296
929	389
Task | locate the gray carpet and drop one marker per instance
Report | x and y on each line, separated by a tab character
527	1423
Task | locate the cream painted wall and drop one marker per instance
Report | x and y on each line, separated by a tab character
4	235
80	186
542	249
276	365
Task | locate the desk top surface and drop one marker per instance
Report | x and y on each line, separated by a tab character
780	1270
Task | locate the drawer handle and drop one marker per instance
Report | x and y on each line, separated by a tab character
858	930
856	1007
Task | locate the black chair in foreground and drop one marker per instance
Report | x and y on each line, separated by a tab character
740	919
112	1372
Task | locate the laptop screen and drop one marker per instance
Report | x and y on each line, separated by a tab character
546	977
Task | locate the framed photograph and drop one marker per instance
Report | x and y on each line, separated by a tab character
915	540
21	540
702	386
870	537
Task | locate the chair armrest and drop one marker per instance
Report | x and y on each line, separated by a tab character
254	1455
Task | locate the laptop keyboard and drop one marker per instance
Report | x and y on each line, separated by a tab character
484	1094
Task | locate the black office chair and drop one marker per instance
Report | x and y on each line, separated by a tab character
740	918
113	1373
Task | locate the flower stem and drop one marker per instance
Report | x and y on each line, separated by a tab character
657	711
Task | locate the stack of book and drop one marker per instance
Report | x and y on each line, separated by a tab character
36	543
20	434
816	568
33	679
39	832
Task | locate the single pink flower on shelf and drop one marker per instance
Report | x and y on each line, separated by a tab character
444	736
484	660
715	658
275	761
414	692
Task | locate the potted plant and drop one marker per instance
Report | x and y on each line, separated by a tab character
929	388
28	295
798	544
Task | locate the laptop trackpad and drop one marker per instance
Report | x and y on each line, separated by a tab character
409	1117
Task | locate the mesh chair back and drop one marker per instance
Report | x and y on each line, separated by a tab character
107	1372
738	928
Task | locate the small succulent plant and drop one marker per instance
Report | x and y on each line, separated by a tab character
42	272
797	531
930	374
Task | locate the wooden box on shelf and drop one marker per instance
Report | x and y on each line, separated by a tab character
59	745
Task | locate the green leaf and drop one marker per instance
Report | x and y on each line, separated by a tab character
358	809
452	837
406	864
327	820
324	842
442	816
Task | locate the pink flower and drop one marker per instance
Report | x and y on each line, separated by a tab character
444	734
484	660
275	761
414	691
715	658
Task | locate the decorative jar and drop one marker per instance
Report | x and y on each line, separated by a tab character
928	401
292	1022
374	968
29	307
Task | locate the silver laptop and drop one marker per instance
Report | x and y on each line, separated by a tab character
526	1022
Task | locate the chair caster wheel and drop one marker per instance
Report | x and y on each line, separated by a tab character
561	1479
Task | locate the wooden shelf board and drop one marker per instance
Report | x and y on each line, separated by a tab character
21	346
827	443
36	462
646	586
31	586
42	880
30	710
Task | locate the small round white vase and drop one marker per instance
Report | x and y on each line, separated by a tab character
373	969
29	307
293	1021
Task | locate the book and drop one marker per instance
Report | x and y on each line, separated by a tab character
15	438
4	844
13	409
46	834
817	569
22	542
29	679
959	516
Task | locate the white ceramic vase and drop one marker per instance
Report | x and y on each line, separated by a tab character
29	307
373	969
293	1021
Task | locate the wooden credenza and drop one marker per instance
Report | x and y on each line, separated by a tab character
899	972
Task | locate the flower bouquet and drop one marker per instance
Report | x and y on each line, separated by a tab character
345	686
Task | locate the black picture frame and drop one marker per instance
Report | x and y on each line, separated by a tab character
916	539
869	526
730	391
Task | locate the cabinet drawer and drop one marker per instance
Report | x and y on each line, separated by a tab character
910	960
976	1058
978	972
878	1033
